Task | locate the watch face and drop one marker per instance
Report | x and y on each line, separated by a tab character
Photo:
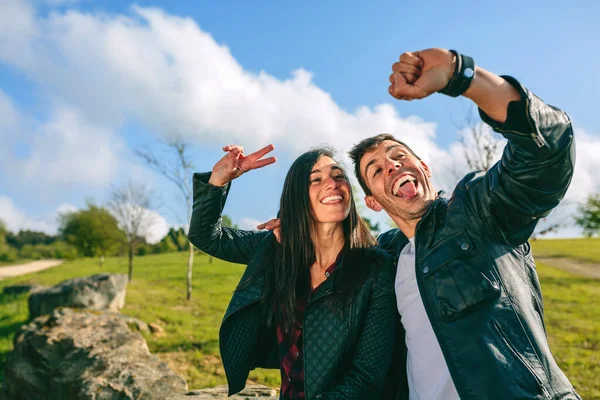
468	73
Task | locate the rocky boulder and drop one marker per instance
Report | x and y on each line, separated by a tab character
75	354
96	292
18	289
250	392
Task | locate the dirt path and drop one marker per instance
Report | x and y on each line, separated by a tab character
588	269
34	266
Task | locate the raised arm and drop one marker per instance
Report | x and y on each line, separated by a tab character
210	193
537	165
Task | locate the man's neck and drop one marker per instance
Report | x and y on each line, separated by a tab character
408	227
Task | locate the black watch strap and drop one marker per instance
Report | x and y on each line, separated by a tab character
464	72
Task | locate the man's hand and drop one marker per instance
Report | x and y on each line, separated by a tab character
234	164
421	73
272	225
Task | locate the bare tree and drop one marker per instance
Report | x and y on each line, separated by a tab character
178	170
130	204
479	144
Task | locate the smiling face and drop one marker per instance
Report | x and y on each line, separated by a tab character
399	182
329	192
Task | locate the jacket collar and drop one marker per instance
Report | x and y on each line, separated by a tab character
252	293
433	217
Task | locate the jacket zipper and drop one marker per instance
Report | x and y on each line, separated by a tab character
539	140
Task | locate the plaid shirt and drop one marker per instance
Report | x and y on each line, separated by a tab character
291	346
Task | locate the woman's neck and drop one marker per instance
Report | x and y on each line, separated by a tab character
328	241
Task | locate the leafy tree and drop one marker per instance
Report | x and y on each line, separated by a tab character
226	222
25	237
58	250
93	231
3	233
589	215
174	240
7	253
373	227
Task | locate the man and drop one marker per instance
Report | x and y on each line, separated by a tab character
467	290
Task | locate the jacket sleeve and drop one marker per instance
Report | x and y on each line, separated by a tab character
206	232
533	174
366	374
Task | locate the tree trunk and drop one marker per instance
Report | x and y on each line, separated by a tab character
130	261
189	271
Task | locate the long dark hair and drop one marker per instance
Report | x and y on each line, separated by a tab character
289	265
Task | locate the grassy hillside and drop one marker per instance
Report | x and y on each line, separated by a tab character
582	249
156	294
190	342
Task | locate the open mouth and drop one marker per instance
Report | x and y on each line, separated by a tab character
332	199
405	186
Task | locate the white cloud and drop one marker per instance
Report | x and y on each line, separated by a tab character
10	122
158	229
68	150
9	117
17	219
65	209
65	150
166	73
56	3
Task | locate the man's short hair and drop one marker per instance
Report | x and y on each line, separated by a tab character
366	145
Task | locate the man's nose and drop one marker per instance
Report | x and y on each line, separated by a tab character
393	166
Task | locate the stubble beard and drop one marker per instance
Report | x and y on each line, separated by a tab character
413	213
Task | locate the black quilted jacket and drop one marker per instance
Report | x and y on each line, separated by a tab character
345	356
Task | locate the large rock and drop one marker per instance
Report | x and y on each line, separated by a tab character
96	292
18	289
75	354
250	392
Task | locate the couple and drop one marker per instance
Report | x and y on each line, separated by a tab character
448	306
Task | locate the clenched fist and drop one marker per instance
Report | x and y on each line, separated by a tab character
421	73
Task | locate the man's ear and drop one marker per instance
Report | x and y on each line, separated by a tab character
426	168
373	204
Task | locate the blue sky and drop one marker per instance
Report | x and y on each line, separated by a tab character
84	83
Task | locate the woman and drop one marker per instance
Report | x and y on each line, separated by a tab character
319	303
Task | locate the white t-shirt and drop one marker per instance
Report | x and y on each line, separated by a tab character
428	374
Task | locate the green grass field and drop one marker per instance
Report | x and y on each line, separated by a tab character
190	342
581	249
156	294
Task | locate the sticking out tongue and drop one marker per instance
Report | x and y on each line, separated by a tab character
408	189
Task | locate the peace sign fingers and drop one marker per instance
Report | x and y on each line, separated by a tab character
253	161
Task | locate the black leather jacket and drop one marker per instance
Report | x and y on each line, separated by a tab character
346	356
474	267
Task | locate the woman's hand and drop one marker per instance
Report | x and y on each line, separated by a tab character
235	163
